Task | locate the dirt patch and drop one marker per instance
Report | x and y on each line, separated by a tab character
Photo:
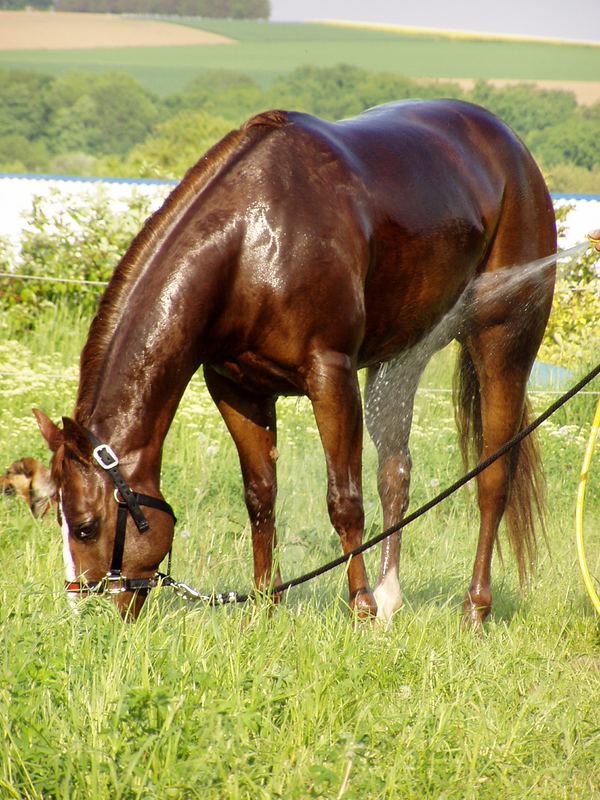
586	92
47	30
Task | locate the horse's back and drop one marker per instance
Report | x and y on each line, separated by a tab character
428	183
364	233
423	144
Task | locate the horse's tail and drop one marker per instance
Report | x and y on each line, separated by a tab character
526	499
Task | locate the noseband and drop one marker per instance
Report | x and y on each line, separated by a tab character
129	502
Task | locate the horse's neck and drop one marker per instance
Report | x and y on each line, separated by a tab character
152	356
134	417
141	356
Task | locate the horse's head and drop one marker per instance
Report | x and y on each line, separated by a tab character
114	535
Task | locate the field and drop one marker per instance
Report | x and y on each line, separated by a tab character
247	703
241	703
265	51
38	30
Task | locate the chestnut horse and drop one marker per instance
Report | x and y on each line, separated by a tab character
294	253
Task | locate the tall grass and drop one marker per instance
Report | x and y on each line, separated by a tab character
243	703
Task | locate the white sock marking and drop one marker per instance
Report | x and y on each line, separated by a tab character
388	596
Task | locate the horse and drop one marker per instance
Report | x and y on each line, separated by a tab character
294	253
30	479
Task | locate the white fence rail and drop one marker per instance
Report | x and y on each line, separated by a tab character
17	193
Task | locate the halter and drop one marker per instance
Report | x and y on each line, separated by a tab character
129	502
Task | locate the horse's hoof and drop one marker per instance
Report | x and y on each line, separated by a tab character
363	605
473	617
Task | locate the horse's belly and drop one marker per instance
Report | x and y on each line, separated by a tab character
261	375
398	321
380	346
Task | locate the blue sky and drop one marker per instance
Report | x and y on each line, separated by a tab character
573	19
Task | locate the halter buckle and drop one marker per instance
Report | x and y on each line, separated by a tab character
105	450
115	583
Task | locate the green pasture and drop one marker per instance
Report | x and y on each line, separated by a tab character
244	703
265	51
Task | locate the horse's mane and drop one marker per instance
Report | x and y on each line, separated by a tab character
154	230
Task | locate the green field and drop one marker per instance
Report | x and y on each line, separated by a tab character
243	703
238	703
266	50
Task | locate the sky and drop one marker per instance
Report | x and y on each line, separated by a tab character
570	19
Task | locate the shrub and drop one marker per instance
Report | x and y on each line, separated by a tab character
570	179
70	238
572	332
66	238
177	144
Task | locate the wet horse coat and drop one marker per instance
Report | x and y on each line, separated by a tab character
294	253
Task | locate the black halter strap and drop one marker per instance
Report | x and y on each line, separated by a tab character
129	502
106	458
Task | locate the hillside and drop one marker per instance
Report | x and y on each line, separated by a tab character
157	53
42	30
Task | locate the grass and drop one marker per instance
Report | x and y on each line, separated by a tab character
266	51
241	703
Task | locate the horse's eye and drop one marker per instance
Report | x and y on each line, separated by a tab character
85	532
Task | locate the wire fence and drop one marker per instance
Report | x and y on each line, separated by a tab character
577	249
421	390
51	279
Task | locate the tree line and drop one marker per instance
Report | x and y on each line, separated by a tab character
220	9
19	5
108	124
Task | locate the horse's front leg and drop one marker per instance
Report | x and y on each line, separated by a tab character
335	395
251	422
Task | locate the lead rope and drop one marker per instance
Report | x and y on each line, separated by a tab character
187	593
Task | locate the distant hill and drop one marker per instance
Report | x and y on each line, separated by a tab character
267	50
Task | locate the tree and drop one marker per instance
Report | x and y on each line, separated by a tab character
17	5
18	154
24	109
377	88
570	179
240	9
220	93
576	141
330	92
525	107
100	114
251	9
176	146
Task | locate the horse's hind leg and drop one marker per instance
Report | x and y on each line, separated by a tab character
501	408
389	402
502	331
495	366
252	423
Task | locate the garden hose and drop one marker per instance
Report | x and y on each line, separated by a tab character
594	238
587	459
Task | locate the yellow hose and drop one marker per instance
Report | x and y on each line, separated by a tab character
587	459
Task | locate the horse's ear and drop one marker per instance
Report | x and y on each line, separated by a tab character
51	432
76	440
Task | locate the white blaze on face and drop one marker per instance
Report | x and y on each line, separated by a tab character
67	557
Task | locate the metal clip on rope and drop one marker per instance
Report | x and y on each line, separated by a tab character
189	595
